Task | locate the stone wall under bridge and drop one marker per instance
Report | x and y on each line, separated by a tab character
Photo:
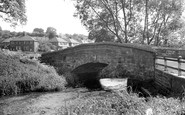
92	58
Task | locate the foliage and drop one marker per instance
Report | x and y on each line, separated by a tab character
78	37
115	71
128	20
176	39
13	11
6	34
46	47
51	32
122	103
19	75
101	36
38	32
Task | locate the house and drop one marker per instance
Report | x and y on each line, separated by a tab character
60	43
74	42
5	43
25	43
85	41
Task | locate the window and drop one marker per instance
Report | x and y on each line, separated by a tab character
18	48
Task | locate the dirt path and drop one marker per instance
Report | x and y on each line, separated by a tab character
41	104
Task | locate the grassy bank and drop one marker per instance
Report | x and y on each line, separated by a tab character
20	75
125	104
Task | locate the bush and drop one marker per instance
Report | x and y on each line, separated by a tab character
24	75
115	71
46	47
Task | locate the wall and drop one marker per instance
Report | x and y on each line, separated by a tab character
23	45
170	81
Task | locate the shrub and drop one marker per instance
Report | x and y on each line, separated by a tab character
124	104
115	71
46	46
71	79
24	75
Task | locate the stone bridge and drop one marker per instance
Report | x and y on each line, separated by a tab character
138	60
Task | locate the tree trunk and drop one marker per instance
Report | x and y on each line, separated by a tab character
145	31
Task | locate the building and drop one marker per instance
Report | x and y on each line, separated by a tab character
73	42
25	43
5	43
86	41
60	43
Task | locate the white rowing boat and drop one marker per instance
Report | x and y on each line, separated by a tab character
114	83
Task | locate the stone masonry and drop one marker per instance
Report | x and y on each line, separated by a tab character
139	60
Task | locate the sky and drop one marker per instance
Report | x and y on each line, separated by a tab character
50	13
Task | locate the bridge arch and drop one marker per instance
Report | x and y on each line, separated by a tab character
87	74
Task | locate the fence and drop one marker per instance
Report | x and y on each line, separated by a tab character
179	60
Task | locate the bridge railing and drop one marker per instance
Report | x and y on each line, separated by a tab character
177	64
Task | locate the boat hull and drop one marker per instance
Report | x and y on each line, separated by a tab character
114	83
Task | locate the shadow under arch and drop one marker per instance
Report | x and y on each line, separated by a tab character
87	74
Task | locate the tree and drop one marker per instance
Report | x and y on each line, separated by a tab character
101	36
46	46
6	34
38	32
51	32
97	14
13	11
130	19
162	14
1	31
20	34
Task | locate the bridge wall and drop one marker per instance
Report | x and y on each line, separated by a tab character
170	82
138	60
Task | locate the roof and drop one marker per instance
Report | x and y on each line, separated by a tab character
42	38
74	41
24	38
57	39
6	40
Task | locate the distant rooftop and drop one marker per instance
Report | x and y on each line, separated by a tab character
6	40
74	41
57	39
24	38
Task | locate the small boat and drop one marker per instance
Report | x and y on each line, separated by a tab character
114	83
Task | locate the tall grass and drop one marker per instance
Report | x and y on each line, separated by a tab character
122	103
23	75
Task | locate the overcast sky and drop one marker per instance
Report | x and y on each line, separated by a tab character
54	13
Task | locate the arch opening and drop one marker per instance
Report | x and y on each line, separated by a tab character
87	75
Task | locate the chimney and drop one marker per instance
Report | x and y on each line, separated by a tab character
24	33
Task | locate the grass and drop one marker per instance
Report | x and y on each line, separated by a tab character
20	75
122	103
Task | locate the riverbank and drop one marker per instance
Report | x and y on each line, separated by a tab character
19	74
81	101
